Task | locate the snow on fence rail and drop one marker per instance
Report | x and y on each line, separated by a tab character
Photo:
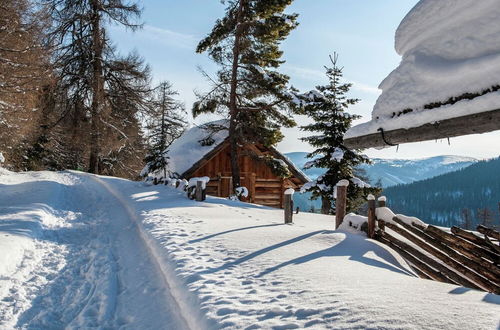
459	257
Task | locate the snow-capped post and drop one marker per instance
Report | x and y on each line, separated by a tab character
371	215
382	201
288	205
341	203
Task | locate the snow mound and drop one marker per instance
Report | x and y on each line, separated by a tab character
449	48
353	220
384	213
242	191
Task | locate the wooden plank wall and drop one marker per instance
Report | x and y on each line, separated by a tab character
264	187
221	163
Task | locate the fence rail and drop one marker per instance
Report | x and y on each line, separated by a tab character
459	257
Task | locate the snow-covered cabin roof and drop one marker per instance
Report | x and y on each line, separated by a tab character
450	66
184	152
187	151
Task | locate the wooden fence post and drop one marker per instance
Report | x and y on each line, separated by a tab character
252	187
341	203
199	191
288	205
382	203
371	216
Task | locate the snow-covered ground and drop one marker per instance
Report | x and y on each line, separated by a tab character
84	251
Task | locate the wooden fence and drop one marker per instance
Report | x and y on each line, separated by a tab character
459	257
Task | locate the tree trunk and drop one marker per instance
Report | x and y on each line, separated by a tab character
326	205
97	89
233	111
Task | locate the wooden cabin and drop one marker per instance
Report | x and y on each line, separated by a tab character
202	152
264	187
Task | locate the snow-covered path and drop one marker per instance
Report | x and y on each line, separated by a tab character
102	273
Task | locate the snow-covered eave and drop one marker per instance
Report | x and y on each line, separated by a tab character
374	135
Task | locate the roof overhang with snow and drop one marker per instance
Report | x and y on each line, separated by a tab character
448	81
483	122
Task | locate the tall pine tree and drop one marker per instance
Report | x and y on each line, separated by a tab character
327	106
165	123
248	90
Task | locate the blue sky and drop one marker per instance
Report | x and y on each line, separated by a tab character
361	31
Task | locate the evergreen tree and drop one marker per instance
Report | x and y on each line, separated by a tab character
87	65
165	123
248	89
327	106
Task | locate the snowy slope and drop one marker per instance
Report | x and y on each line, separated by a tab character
144	257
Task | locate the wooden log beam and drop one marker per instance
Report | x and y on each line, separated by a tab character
482	122
488	232
477	250
483	242
420	273
479	265
466	277
416	258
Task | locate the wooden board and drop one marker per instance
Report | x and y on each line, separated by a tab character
472	124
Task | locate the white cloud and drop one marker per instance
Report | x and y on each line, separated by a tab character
304	73
366	88
162	36
170	37
315	75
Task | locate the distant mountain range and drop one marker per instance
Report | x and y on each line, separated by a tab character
388	172
392	172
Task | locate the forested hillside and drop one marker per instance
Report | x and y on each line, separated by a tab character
69	99
465	197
